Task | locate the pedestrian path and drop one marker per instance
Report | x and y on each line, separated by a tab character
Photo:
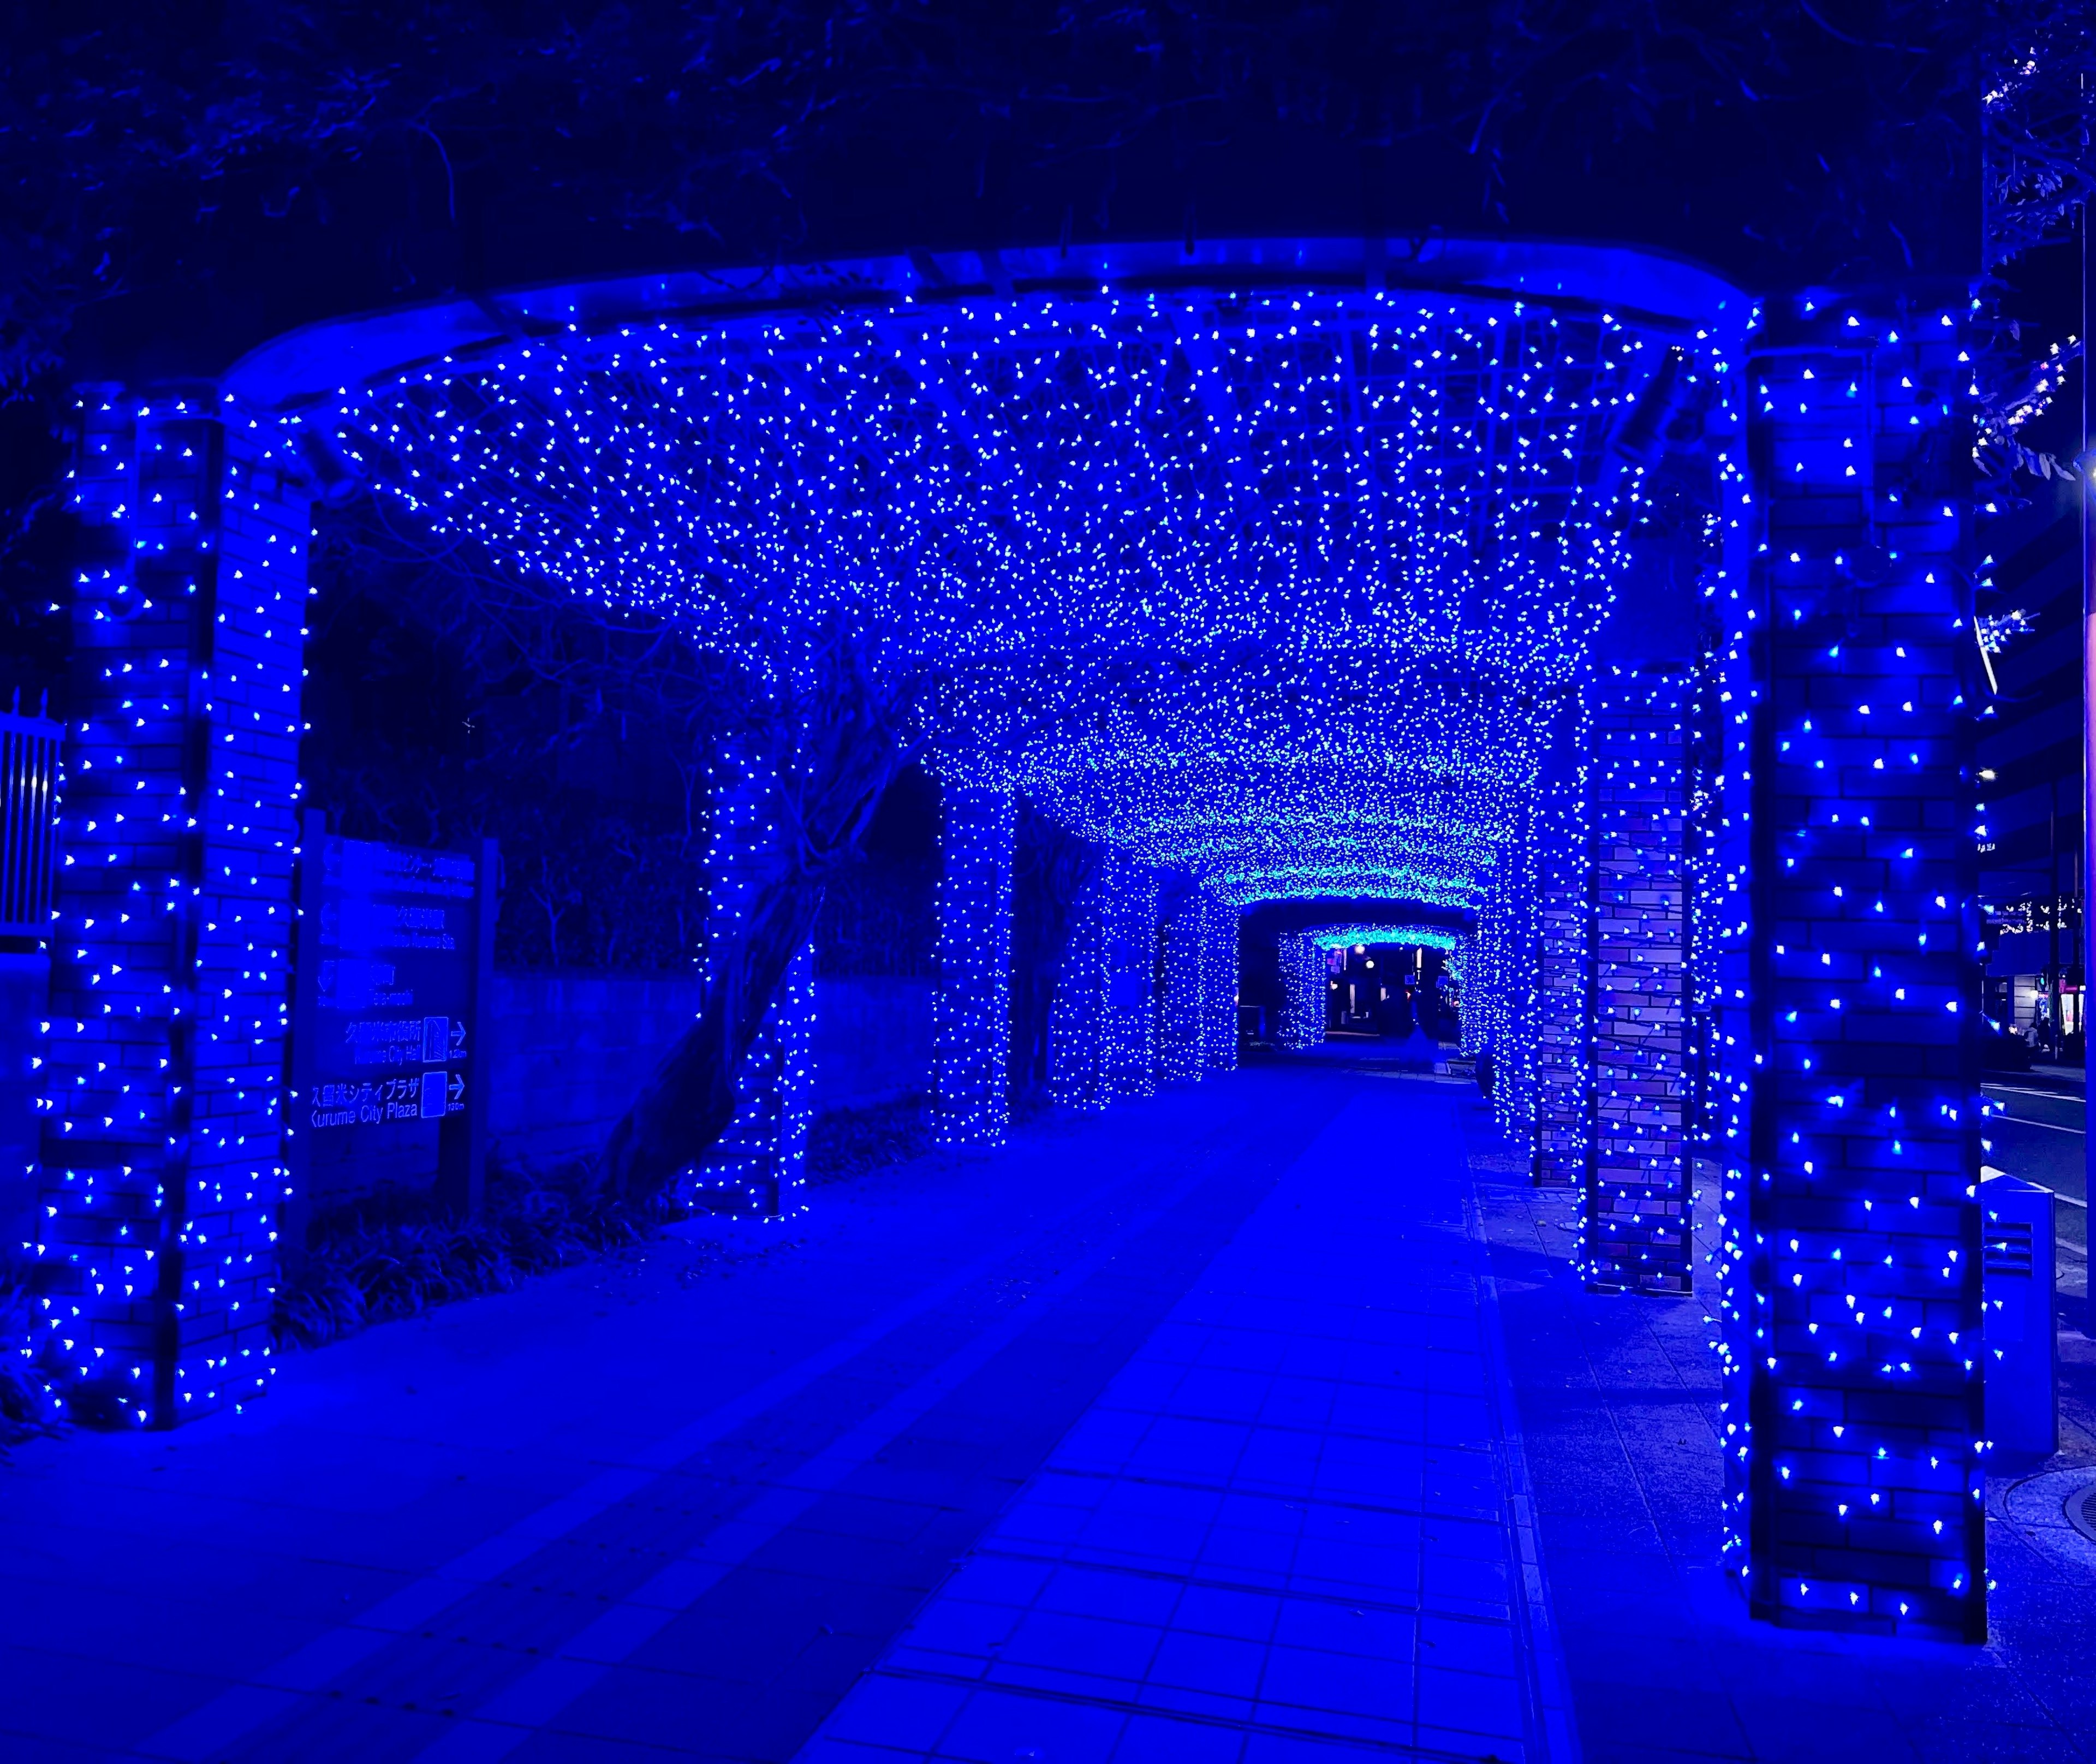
1618	1397
1260	1422
1287	1529
671	1501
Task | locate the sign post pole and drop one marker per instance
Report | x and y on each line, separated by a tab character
462	1143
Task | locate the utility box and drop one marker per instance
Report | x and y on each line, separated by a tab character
2021	1336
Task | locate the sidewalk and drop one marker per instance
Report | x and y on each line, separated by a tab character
670	1500
1259	1423
1286	1531
1618	1400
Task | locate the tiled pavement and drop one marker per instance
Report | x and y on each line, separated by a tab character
657	1503
1285	1532
1617	1397
1186	1430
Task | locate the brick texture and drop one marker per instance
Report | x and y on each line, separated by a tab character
1854	1415
163	1166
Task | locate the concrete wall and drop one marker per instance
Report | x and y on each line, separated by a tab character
873	1040
572	1050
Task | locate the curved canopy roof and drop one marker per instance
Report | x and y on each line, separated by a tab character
1266	562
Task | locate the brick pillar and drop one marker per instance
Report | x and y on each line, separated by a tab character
1182	1021
1637	1230
1853	1408
163	1167
972	1018
1218	983
1132	981
1563	1011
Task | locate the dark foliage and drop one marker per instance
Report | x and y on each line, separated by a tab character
879	919
159	153
37	1382
24	1392
431	726
391	1256
843	1143
384	1260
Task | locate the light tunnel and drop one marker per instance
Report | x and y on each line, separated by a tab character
1263	564
1555	592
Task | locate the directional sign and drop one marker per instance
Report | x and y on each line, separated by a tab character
392	946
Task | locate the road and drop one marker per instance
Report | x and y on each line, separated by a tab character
2040	1136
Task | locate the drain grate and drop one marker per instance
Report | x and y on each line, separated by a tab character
2081	1511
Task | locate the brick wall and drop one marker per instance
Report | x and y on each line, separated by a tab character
162	1154
1637	1191
1852	1411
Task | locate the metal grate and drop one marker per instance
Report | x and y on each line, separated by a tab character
28	838
2007	1248
2081	1511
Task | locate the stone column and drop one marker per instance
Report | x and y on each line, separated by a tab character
1637	1230
162	1168
1218	983
1853	1411
972	1018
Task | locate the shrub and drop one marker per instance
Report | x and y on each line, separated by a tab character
843	1143
373	1263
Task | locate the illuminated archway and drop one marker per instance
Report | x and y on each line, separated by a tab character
1283	566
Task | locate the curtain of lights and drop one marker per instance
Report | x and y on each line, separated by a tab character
1219	984
1182	1021
972	1017
1131	1023
1250	586
1080	1044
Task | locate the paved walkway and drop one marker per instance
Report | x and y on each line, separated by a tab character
1259	1423
1619	1401
1287	1526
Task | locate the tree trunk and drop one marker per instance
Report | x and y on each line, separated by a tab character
688	1103
848	743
